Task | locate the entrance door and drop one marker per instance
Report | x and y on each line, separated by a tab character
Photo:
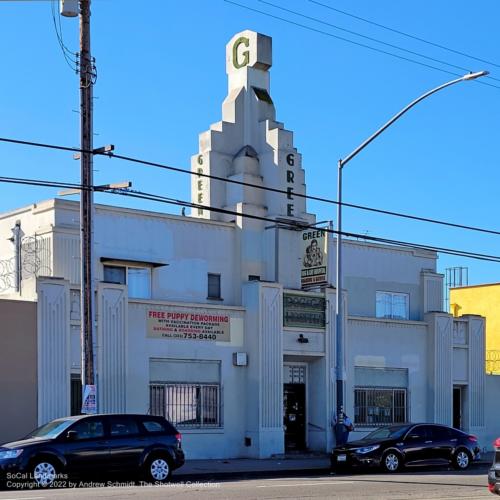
457	407
294	416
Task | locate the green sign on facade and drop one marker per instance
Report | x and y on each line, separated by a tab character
303	311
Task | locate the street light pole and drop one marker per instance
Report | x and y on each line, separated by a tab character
340	371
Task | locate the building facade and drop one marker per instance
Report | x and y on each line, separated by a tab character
224	320
484	300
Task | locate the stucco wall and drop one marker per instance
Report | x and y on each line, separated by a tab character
491	429
389	344
485	301
18	369
224	442
369	268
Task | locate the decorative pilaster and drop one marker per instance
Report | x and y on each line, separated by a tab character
263	343
330	353
432	288
477	374
440	362
112	322
53	334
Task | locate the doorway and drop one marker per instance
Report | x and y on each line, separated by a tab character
457	407
294	416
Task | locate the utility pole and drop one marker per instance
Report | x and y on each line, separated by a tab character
86	69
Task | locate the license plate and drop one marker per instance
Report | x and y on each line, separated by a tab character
341	458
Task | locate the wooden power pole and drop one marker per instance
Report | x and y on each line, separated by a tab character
86	69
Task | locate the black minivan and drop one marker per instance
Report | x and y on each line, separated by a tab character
149	447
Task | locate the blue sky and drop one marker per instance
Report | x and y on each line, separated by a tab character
161	81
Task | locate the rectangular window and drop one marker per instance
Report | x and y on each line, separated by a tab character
380	406
187	405
214	286
393	305
115	274
138	279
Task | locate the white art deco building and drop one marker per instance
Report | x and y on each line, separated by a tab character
226	323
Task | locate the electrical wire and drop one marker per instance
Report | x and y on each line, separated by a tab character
68	54
369	38
293	225
282	222
331	35
404	34
248	184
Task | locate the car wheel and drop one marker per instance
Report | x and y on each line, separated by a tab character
461	460
391	461
44	472
158	469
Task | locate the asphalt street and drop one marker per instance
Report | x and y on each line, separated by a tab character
438	485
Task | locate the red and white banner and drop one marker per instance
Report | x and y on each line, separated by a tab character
184	324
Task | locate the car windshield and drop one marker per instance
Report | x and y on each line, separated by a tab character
52	429
387	433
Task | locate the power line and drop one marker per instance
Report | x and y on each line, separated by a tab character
331	35
248	184
315	19
68	54
404	33
291	224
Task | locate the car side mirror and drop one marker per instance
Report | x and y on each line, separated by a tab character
71	435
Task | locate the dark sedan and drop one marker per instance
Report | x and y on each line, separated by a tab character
494	472
145	446
397	446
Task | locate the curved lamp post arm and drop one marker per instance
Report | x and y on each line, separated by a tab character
470	76
340	365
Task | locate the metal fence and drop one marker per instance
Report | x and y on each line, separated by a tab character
376	406
187	405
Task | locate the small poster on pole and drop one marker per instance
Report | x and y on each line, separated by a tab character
89	403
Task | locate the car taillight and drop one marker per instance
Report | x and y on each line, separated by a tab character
178	436
496	443
472	439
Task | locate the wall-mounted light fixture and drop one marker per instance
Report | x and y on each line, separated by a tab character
240	359
302	339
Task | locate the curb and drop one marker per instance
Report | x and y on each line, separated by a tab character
203	476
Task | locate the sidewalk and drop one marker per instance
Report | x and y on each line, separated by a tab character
253	467
248	467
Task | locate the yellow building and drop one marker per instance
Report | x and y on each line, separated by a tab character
485	301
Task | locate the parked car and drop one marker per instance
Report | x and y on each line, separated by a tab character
396	446
494	472
146	446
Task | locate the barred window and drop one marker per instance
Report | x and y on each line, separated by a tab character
380	406
187	405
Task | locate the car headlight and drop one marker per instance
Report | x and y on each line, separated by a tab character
367	449
10	454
